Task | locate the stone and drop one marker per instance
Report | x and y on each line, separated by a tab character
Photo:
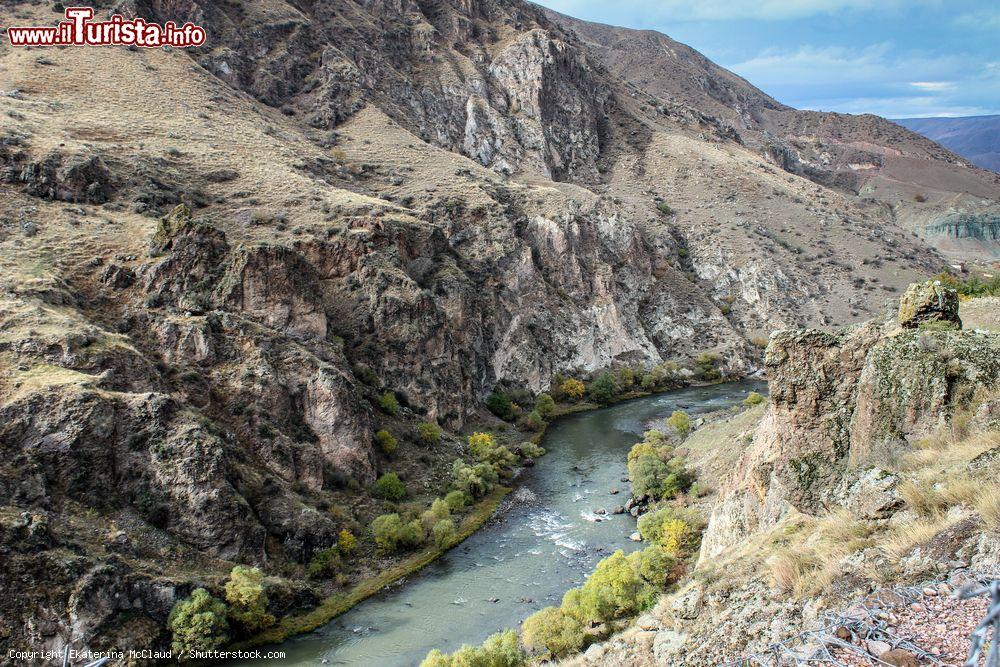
899	658
647	622
618	509
600	510
667	644
877	648
635	537
688	604
927	302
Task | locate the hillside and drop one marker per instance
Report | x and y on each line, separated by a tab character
976	138
225	271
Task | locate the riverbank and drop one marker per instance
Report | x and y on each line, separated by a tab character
338	604
335	605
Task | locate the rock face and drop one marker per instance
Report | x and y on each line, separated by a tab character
430	199
929	302
840	403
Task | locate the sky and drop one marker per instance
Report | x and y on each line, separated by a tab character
894	58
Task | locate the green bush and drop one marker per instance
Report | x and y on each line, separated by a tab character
500	650
198	623
555	631
655	565
680	422
429	432
443	533
386	442
346	542
456	500
324	564
534	421
474	480
705	366
615	589
484	447
752	399
392	534
676	532
389	487
626	378
500	404
436	512
388	403
604	388
654	470
531	450
545	406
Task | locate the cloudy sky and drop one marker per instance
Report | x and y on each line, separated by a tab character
895	58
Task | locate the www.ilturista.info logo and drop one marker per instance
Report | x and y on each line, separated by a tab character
79	30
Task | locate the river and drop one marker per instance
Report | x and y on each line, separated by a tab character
547	541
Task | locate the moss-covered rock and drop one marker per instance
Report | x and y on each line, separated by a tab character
929	302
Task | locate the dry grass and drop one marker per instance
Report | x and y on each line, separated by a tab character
900	540
988	505
814	559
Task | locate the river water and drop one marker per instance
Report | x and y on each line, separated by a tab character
547	542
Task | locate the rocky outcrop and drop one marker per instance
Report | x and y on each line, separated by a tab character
840	404
929	303
78	177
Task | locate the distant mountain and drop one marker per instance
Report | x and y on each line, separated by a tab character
974	137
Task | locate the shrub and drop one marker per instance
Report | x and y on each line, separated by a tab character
626	378
484	447
388	403
455	500
534	421
346	542
386	442
389	487
500	404
615	589
429	432
680	422
705	366
573	388
531	450
655	565
653	476
555	631
247	599
604	388
664	208
474	480
500	650
198	623
545	406
668	529
443	533
324	564
752	399
438	511
391	534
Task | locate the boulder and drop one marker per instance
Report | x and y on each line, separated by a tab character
929	302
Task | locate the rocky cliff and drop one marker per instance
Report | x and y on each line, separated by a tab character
215	261
873	465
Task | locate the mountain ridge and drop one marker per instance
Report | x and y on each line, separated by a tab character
975	137
217	280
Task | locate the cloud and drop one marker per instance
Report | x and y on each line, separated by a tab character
876	79
933	85
720	10
983	19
